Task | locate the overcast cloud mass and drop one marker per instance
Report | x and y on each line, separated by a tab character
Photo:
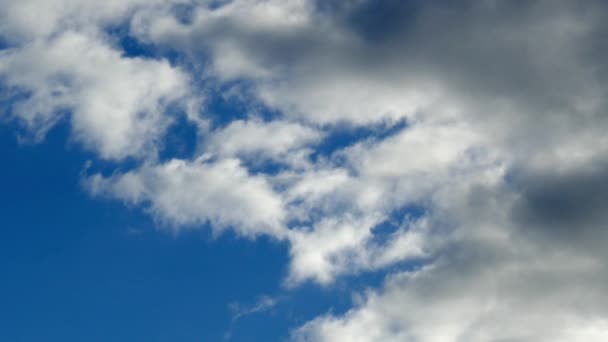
474	173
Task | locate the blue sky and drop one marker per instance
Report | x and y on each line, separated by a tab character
81	269
306	171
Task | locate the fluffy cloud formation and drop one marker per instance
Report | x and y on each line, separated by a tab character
304	63
24	20
194	193
495	185
273	140
492	280
117	104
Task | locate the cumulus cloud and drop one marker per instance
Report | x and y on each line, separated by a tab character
26	20
345	245
495	184
305	64
194	193
520	260
346	205
117	104
273	140
489	282
59	61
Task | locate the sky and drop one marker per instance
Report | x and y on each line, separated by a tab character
303	170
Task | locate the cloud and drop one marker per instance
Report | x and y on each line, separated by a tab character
489	282
495	184
345	245
263	303
274	140
520	257
195	193
61	62
348	208
117	105
26	20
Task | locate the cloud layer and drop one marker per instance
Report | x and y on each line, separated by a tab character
483	162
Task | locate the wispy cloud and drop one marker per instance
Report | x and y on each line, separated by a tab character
262	304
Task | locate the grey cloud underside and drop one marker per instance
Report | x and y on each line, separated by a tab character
504	148
569	206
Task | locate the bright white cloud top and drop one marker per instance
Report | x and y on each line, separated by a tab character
495	188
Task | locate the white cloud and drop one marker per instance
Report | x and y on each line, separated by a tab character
275	139
304	64
117	104
345	245
194	193
324	252
25	20
62	62
263	303
430	158
227	31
